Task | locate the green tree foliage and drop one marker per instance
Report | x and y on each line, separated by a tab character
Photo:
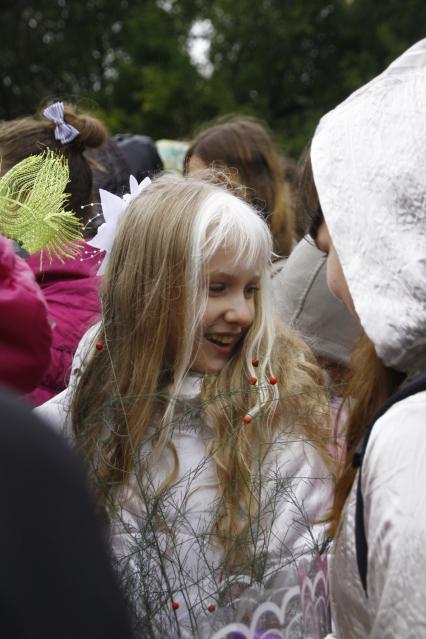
127	61
291	61
56	48
286	61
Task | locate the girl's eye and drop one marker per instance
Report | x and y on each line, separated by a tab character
216	288
250	290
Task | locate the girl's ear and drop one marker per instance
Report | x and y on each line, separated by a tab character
322	238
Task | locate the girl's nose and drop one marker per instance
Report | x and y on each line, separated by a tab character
240	311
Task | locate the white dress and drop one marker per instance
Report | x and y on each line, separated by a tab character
295	490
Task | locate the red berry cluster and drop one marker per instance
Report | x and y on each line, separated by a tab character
253	380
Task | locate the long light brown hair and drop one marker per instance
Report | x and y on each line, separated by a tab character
153	299
370	383
245	146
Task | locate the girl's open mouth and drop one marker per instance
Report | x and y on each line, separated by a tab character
223	343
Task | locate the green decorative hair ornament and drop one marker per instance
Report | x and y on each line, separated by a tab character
32	199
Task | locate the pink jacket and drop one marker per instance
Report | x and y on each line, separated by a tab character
71	290
25	335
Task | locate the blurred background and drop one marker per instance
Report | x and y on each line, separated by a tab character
165	68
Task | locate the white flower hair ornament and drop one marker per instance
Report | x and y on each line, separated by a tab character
113	207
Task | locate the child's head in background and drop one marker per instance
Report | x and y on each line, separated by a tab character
31	135
244	146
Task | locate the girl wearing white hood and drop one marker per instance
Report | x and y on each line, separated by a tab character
368	187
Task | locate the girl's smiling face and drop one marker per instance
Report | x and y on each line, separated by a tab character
229	313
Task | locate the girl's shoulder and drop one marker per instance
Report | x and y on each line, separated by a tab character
56	411
401	424
396	445
85	349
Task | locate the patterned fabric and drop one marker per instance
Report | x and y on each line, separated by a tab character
172	153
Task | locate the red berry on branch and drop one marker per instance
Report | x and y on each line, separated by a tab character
99	346
252	380
255	362
273	380
247	419
175	605
211	607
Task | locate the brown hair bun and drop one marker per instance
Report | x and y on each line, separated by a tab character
92	131
33	134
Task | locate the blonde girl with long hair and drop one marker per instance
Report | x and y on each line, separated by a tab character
201	420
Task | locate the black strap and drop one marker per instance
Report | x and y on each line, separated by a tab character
361	546
416	386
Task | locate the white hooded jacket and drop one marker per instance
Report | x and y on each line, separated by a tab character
369	165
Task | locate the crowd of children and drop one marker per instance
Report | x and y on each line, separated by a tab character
245	402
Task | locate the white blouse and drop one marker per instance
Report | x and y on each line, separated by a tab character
393	488
295	490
